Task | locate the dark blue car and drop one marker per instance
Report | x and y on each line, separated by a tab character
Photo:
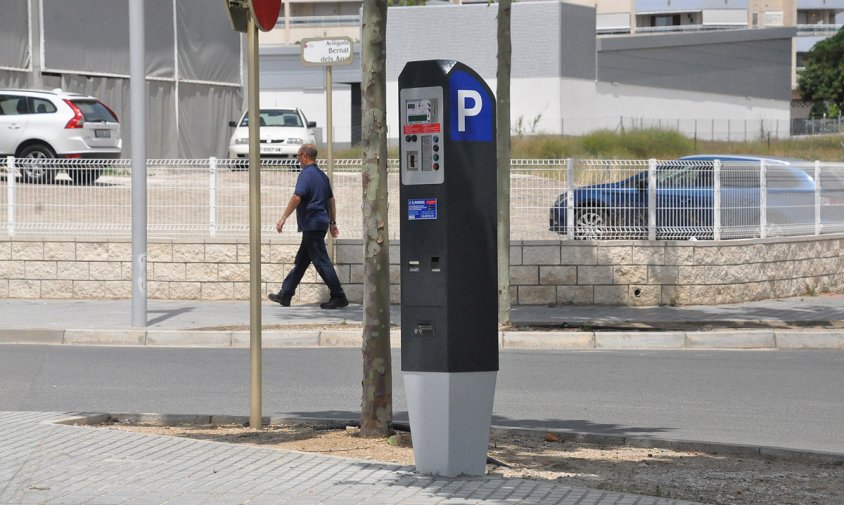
685	199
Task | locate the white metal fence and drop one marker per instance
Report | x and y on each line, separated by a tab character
549	199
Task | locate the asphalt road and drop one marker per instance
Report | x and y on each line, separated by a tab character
792	399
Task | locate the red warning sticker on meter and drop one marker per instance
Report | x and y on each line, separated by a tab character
421	128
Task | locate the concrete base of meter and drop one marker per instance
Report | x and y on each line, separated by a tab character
450	416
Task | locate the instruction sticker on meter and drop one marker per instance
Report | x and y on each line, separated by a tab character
421	208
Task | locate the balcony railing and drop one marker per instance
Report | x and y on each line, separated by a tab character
304	21
819	29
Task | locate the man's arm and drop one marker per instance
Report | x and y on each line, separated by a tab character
332	218
294	202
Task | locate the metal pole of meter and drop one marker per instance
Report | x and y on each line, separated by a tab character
137	94
253	110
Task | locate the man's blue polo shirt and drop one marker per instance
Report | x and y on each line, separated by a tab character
314	189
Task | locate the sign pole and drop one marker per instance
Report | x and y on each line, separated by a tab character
254	227
330	138
138	124
249	16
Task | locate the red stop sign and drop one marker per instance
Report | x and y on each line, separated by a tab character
265	13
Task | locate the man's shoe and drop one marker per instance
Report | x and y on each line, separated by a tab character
282	299
335	303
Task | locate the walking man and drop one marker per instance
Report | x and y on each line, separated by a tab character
313	202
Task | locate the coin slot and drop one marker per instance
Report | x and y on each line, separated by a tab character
435	264
413	160
424	328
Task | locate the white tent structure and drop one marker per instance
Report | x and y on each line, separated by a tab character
194	65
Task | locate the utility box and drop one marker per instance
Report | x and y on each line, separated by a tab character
449	283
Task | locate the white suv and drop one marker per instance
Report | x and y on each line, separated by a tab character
38	125
283	131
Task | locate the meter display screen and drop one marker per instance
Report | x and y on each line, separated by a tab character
422	144
421	111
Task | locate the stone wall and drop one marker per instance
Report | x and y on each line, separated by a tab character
642	273
542	272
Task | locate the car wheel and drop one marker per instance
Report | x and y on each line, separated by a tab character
34	165
591	224
85	176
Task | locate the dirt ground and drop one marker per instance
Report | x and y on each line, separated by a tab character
695	476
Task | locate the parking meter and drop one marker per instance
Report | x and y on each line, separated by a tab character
449	285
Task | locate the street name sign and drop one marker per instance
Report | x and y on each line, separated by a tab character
320	52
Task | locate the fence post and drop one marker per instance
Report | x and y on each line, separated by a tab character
716	200
652	199
212	196
763	199
570	198
817	197
11	172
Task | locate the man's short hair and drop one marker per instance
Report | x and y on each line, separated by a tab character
309	150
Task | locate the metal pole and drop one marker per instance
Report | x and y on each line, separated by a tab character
138	125
254	227
11	173
37	53
330	139
212	196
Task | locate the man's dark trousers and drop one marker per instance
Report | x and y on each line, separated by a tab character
312	250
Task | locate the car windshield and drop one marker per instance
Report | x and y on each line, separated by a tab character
277	117
683	174
94	111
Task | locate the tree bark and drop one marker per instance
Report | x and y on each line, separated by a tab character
503	154
377	401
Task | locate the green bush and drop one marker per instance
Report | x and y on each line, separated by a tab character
638	144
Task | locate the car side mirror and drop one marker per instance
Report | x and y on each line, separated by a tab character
311	124
232	124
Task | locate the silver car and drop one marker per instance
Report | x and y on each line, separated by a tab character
37	126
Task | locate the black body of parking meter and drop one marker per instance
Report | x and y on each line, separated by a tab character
449	284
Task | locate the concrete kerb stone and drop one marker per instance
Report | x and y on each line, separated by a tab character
352	338
197	338
341	338
808	339
714	339
278	338
547	339
105	337
731	339
33	336
640	340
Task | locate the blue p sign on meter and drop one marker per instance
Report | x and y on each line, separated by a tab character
470	119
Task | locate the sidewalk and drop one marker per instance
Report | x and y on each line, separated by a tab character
802	322
44	462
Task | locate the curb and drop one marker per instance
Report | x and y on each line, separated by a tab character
563	340
742	450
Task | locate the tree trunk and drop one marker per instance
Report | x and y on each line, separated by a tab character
377	402
503	155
